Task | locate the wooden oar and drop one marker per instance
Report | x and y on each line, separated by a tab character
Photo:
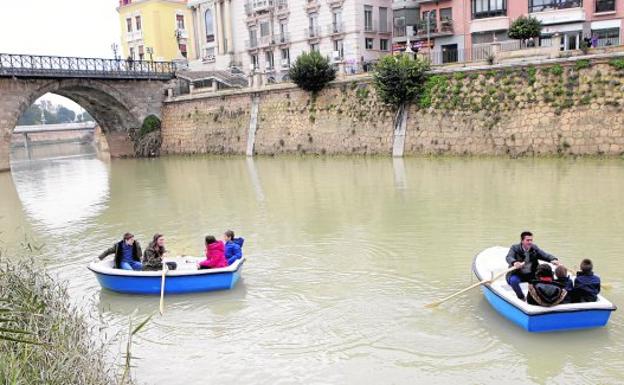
436	303
165	268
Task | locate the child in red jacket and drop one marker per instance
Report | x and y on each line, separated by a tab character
215	254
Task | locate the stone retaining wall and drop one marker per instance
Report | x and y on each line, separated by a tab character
572	107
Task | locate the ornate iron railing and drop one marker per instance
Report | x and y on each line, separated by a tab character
78	67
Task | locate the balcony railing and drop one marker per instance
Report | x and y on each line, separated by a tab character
608	41
251	44
605	6
444	28
252	6
553	5
77	67
369	26
313	32
281	38
335	28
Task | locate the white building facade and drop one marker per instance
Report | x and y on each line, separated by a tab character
267	35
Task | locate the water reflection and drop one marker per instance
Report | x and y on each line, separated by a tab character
340	265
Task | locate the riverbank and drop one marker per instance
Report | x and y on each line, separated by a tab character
60	345
558	107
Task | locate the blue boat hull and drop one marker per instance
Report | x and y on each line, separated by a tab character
555	321
173	284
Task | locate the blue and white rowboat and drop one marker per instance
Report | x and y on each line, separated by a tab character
185	279
535	318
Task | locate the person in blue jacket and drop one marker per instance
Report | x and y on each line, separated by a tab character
586	284
233	247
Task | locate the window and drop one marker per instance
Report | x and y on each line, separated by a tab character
490	8
283	28
368	43
446	14
209	20
605	6
141	53
285	57
607	37
368	18
314	47
268	59
265	29
429	22
131	56
182	48
338	53
399	26
383	19
336	26
253	38
254	61
138	23
129	24
180	21
546	5
313	25
383	44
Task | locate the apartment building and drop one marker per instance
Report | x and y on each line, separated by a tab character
267	35
463	27
155	29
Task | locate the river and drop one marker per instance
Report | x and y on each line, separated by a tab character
342	254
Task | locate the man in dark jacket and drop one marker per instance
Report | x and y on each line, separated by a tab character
525	257
127	253
586	284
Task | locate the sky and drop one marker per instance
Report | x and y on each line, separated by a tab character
84	28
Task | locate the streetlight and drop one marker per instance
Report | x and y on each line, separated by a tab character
115	47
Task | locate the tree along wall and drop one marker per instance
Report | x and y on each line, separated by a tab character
567	108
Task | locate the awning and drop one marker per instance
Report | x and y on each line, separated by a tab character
606	24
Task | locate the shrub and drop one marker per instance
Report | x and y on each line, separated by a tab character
556	70
581	64
435	83
150	124
617	64
62	347
311	71
524	28
399	79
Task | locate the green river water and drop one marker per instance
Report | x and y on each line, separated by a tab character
342	254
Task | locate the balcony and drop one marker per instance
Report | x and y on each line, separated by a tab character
369	27
134	35
335	28
256	6
553	5
559	12
281	38
251	44
313	32
445	28
604	6
335	3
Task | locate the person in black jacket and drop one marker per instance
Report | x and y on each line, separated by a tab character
586	284
127	253
525	257
544	291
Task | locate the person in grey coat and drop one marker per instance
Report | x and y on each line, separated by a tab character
525	256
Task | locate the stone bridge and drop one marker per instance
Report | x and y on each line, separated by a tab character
118	94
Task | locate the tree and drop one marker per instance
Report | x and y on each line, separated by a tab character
31	116
399	79
65	115
524	28
311	71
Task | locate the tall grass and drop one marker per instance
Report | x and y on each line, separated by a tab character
44	339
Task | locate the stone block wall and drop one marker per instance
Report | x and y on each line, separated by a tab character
574	107
214	125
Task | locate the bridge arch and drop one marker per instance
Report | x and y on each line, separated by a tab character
118	106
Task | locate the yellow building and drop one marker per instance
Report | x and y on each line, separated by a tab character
162	27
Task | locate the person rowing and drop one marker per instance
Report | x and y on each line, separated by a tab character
525	256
